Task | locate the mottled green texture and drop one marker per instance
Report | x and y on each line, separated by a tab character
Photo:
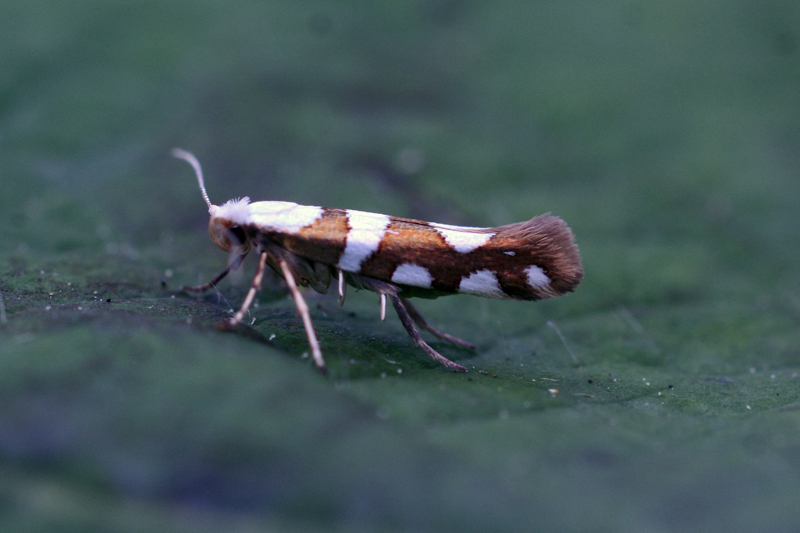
666	134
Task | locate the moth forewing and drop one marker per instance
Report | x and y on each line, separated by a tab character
392	256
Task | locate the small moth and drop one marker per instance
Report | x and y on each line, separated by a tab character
397	258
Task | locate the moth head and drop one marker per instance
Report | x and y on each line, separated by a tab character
225	224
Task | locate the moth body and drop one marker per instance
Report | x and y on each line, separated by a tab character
395	257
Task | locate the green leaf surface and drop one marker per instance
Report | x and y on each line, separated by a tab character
663	395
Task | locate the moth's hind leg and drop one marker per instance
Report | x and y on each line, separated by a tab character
412	311
408	323
235	264
408	315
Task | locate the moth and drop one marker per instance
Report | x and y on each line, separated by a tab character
397	258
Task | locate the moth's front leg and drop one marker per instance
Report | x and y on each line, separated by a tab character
251	294
302	308
234	265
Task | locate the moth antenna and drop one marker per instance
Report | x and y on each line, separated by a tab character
192	160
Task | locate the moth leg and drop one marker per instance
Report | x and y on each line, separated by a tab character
383	307
408	323
302	308
424	325
251	294
235	264
342	288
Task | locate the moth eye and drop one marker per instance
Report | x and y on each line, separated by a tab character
236	236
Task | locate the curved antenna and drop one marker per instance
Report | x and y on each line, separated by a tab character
192	160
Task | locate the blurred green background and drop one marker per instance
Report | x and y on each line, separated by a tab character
666	133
